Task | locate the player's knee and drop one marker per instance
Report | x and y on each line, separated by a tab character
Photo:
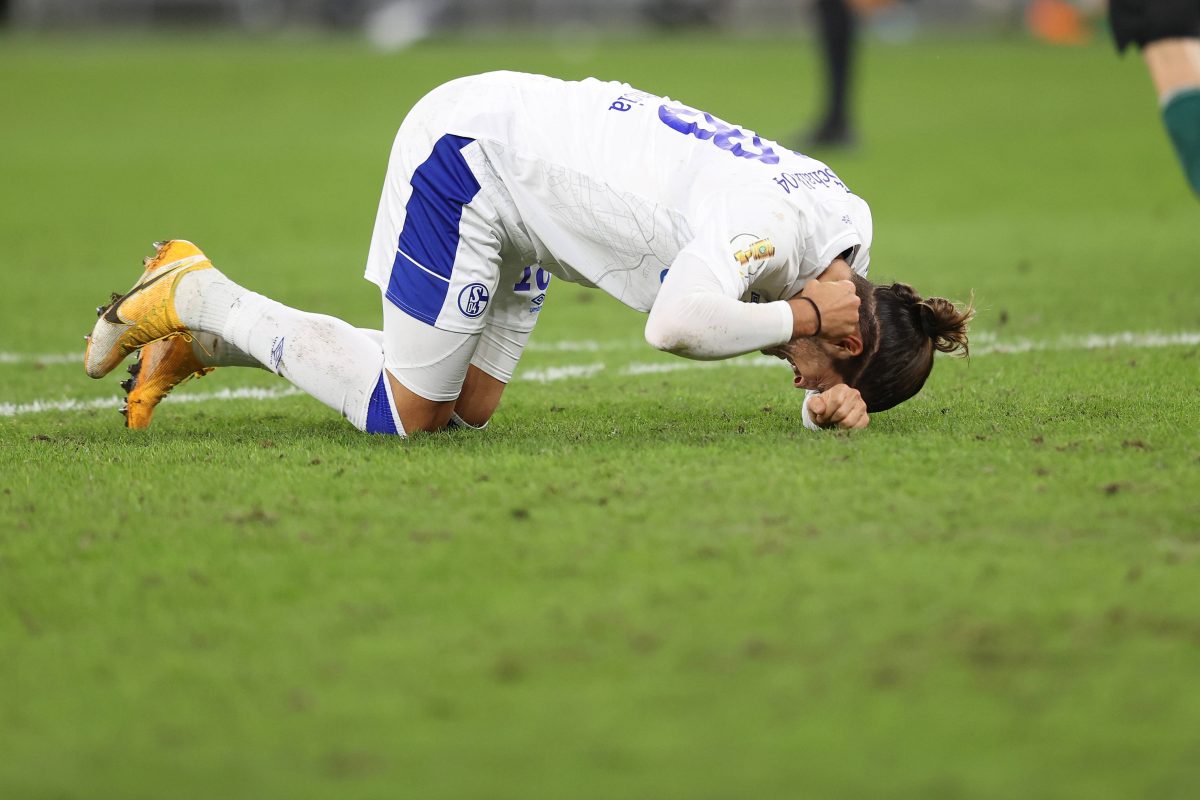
380	415
479	399
393	410
409	411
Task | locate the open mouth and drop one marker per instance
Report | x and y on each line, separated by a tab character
782	353
797	377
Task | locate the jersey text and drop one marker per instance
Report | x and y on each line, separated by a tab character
817	178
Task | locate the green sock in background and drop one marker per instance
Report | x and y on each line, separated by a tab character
1181	114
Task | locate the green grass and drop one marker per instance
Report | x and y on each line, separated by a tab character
650	585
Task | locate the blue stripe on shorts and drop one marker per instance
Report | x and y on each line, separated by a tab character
379	410
441	186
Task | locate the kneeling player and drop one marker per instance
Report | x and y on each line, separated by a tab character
497	182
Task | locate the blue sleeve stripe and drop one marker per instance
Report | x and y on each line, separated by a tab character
379	410
424	261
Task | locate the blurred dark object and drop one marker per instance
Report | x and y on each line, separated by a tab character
682	14
344	13
743	18
254	14
838	35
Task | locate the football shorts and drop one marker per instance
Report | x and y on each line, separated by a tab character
1141	22
455	291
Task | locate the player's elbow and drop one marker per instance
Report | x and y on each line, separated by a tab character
664	332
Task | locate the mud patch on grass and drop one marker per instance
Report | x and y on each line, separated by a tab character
255	516
508	669
346	764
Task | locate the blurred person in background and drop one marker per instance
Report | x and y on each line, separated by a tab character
838	23
1168	34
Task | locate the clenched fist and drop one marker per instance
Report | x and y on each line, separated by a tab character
839	407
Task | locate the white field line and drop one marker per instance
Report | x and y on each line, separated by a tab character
552	374
41	358
16	409
988	343
985	344
585	346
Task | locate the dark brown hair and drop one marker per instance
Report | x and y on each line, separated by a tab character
899	341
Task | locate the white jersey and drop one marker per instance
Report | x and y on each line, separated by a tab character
609	185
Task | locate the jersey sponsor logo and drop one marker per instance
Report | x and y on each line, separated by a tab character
751	252
816	179
627	101
705	127
473	299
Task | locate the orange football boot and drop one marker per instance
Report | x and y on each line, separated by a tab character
161	366
146	313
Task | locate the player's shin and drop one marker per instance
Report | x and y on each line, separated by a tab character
210	350
329	359
1181	115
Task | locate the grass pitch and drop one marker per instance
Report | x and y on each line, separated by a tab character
636	583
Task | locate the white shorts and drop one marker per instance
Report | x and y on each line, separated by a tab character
456	292
432	363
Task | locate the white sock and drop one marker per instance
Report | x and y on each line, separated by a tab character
458	422
203	299
329	359
213	351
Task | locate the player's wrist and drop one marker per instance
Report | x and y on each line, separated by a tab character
806	317
806	413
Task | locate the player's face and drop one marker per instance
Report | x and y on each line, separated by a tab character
812	364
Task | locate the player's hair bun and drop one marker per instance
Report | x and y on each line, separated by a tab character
943	322
946	324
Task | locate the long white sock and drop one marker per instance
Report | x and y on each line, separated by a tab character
324	356
213	351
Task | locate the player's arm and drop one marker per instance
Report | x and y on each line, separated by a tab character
698	315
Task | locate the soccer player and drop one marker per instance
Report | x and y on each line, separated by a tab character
1168	34
498	182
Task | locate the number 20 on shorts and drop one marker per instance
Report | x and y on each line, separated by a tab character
542	278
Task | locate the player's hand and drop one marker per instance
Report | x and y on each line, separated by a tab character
838	305
839	407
